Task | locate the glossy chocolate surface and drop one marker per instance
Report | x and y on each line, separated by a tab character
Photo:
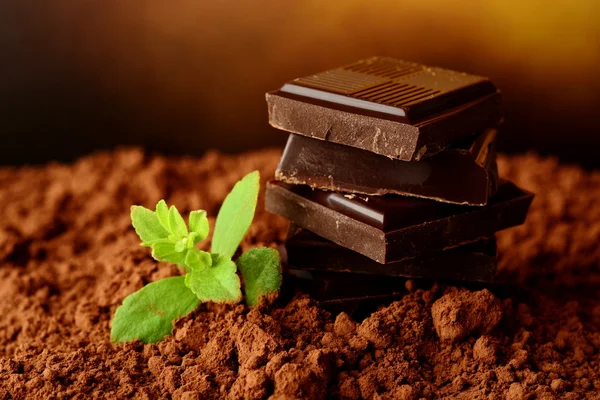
305	251
392	212
390	228
465	174
394	108
403	89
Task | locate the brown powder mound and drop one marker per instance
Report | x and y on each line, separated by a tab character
68	257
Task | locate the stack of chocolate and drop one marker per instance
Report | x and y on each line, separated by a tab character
390	171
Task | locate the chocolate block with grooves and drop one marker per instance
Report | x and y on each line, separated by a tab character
394	108
391	228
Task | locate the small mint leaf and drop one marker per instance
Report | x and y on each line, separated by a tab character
146	224
162	213
235	215
198	225
165	250
148	314
261	270
180	245
176	223
218	283
192	239
150	243
197	260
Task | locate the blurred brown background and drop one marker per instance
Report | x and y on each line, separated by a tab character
181	76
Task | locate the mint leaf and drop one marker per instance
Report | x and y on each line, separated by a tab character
198	225
166	250
197	259
148	314
176	223
261	270
146	224
218	283
162	213
235	215
191	239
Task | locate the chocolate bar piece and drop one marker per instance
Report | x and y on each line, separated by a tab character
337	292
397	109
359	308
465	174
475	262
390	228
326	285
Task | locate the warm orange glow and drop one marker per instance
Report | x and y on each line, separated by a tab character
205	65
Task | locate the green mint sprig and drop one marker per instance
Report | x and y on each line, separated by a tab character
148	314
166	233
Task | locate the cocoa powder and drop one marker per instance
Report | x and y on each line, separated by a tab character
68	257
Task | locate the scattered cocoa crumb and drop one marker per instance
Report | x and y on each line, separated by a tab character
68	257
455	315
